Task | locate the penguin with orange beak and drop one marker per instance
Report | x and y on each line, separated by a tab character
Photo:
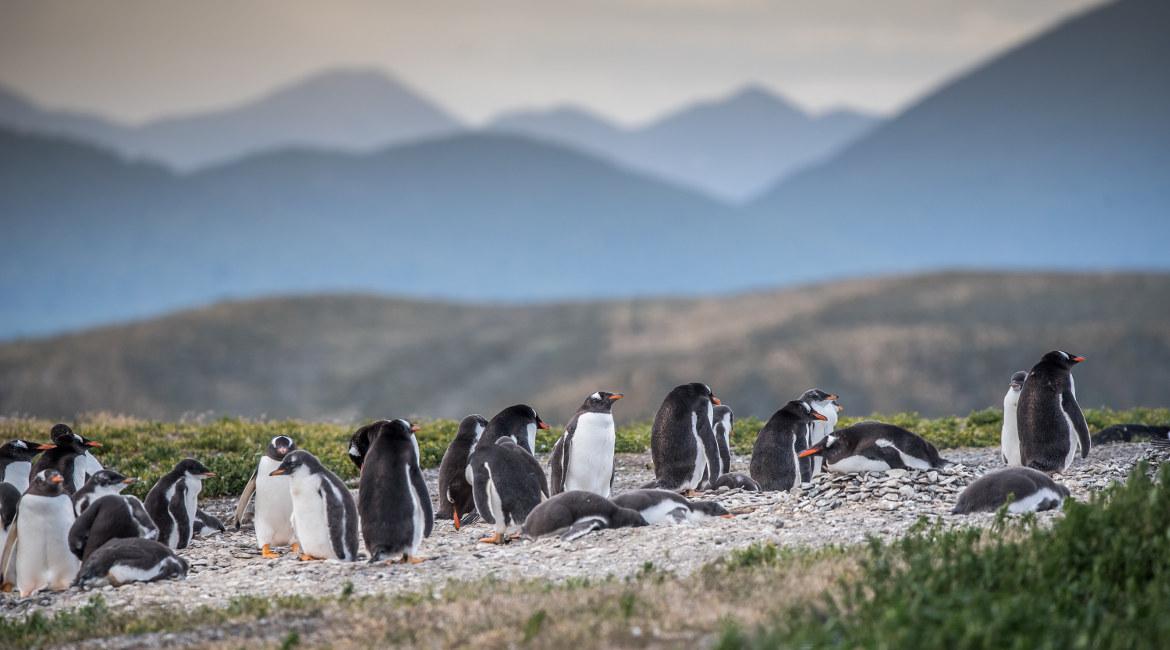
774	456
16	458
173	502
583	456
519	422
1050	425
38	547
875	447
67	456
682	439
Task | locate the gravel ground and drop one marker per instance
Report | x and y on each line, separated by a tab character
837	509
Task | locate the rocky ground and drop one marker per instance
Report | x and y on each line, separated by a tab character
838	509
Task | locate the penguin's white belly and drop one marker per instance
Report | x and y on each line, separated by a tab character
857	464
1009	437
124	573
92	465
591	454
1030	504
418	517
532	438
665	511
16	474
43	558
913	462
274	506
700	455
1073	440
191	503
496	505
311	517
172	539
79	465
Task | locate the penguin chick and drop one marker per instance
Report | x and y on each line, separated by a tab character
122	561
576	513
657	506
1023	489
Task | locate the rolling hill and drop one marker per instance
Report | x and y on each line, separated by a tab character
939	343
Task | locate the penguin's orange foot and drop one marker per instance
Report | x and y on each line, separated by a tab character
305	557
295	549
268	553
6	587
494	538
414	559
455	516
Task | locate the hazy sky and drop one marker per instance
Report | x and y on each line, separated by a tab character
629	59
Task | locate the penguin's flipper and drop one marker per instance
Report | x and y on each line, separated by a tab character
707	435
79	531
479	494
419	485
6	557
583	527
245	499
1068	402
556	462
468	519
178	509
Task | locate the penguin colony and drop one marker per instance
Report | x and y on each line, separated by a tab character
64	521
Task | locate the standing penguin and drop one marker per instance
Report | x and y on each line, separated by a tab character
582	459
393	502
825	404
16	458
774	456
722	421
325	519
9	503
100	484
520	422
123	561
875	447
508	483
273	520
67	457
114	516
1009	436
576	513
456	501
172	502
682	442
41	555
1023	489
1051	425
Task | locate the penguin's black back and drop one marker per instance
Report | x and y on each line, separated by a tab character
672	438
139	553
1041	420
518	477
644	498
864	436
386	493
565	509
9	503
992	491
738	480
110	517
452	470
774	465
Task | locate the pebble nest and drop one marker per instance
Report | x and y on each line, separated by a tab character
837	509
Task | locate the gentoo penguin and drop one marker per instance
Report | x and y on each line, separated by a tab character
9	502
582	459
122	561
206	524
325	519
359	444
100	484
1130	432
657	506
67	457
1009	438
16	458
737	480
1023	488
1051	425
722	421
825	404
456	501
273	516
507	483
520	422
875	447
172	501
393	503
682	442
774	463
41	555
113	516
576	513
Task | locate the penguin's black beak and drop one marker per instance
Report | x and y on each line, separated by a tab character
811	451
716	401
542	425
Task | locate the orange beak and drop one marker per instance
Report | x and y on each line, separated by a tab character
93	443
542	425
616	396
809	452
46	447
833	398
208	474
57	479
414	428
716	401
1078	359
129	481
279	471
818	416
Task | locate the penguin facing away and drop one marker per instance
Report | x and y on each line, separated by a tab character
67	457
41	555
826	404
1024	490
456	501
1051	425
393	503
135	559
576	513
16	461
1009	437
325	519
100	484
875	447
682	441
273	510
114	516
737	480
775	464
508	482
172	502
723	421
582	458
657	506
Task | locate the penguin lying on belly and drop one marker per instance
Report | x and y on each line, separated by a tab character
1022	488
122	561
875	447
657	506
576	513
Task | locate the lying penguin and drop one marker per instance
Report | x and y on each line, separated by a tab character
1157	434
657	506
114	516
875	447
736	480
1024	490
576	513
122	561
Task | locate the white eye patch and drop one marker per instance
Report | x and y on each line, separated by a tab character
830	440
595	396
20	443
353	451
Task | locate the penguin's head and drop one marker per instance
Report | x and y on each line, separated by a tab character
295	461
818	397
802	411
48	482
64	436
722	414
471	428
1062	359
833	449
1017	382
600	402
697	392
109	481
515	419
23	449
711	509
192	468
279	447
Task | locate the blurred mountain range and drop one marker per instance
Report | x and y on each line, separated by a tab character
940	344
1054	155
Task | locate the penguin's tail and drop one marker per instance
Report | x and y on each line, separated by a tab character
383	555
469	518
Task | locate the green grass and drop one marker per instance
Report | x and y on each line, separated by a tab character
231	446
